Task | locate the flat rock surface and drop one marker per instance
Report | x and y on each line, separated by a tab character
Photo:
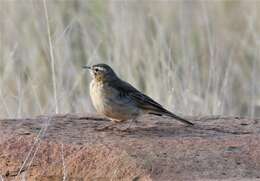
69	147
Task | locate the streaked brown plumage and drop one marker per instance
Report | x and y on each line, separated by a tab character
119	100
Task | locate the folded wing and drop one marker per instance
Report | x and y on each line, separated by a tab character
143	101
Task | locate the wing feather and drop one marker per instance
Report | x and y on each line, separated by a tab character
141	100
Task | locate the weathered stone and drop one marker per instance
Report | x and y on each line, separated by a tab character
68	147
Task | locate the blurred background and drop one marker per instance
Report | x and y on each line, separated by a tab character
197	58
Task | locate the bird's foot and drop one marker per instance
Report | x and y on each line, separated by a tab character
106	127
113	128
128	129
109	126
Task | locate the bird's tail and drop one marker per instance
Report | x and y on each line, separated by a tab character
168	113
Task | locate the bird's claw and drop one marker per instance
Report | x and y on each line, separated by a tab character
103	128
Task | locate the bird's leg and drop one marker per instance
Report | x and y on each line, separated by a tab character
129	125
108	126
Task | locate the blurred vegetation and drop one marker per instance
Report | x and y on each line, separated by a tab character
194	57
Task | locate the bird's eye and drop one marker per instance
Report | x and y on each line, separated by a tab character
96	69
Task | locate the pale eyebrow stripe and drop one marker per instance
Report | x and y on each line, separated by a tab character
100	68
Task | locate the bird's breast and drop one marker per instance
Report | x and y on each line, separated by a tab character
107	101
97	95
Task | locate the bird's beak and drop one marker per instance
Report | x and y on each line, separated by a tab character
86	67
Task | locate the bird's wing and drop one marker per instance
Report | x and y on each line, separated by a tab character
143	101
140	99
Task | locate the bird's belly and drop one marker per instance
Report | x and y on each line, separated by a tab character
119	109
107	102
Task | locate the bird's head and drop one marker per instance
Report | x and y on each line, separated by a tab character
101	72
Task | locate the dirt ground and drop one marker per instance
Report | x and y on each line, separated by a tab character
69	147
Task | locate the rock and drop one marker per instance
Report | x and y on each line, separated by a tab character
68	147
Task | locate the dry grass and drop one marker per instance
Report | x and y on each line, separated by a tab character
196	58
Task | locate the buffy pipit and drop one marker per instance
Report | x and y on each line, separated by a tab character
118	100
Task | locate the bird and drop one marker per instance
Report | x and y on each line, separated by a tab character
118	100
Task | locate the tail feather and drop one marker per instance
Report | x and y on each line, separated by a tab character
179	118
168	113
